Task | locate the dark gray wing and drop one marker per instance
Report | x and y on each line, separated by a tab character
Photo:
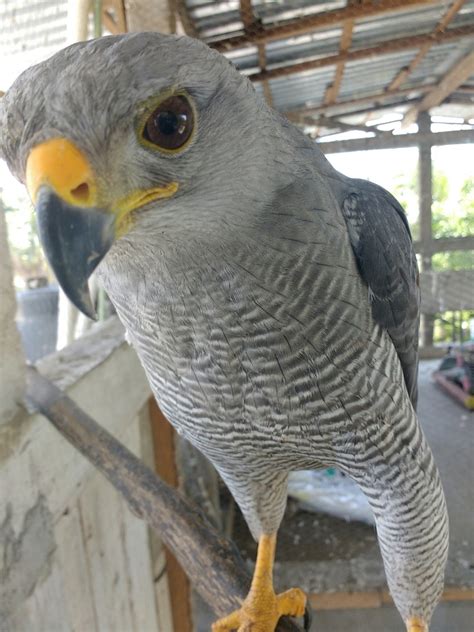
382	244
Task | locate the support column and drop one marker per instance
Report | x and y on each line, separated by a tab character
77	20
12	361
71	323
143	15
425	178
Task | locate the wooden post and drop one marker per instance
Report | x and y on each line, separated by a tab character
165	465
425	179
12	362
77	20
142	15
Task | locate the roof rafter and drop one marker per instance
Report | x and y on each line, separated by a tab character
332	90
114	17
179	7
314	22
379	107
397	141
248	18
372	99
391	46
336	124
346	38
442	24
463	69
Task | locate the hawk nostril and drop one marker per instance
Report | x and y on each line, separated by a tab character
81	193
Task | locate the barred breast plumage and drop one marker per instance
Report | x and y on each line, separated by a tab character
263	351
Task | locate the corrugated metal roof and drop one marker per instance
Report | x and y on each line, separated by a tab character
222	18
30	30
217	20
438	61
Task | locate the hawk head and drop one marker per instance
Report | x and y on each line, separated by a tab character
130	135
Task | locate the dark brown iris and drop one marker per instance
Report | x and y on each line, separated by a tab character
171	123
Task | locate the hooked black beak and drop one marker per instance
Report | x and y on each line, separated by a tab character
75	227
75	241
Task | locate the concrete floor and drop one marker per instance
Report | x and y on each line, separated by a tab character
449	429
321	553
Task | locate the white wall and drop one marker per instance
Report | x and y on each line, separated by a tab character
72	556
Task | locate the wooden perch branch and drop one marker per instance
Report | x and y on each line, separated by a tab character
211	561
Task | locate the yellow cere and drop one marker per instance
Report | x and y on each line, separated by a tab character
59	164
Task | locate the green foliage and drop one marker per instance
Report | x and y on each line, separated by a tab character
452	326
455	260
405	190
467	190
452	216
457	222
449	219
439	187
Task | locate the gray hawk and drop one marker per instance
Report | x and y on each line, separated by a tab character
273	302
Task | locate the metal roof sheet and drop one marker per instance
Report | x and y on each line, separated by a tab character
30	26
362	77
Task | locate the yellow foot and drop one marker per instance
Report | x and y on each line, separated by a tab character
261	610
415	624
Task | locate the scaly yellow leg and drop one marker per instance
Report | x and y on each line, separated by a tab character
415	624
261	608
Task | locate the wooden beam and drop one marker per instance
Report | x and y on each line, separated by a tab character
336	124
262	62
375	599
425	202
346	39
425	179
249	22
448	84
466	89
246	14
377	108
373	100
445	244
143	15
212	562
442	24
385	48
78	12
396	141
179	7
314	22
114	17
165	465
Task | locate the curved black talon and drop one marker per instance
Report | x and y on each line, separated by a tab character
308	616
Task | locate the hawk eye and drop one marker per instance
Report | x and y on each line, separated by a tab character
171	124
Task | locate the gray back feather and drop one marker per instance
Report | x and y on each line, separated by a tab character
382	244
